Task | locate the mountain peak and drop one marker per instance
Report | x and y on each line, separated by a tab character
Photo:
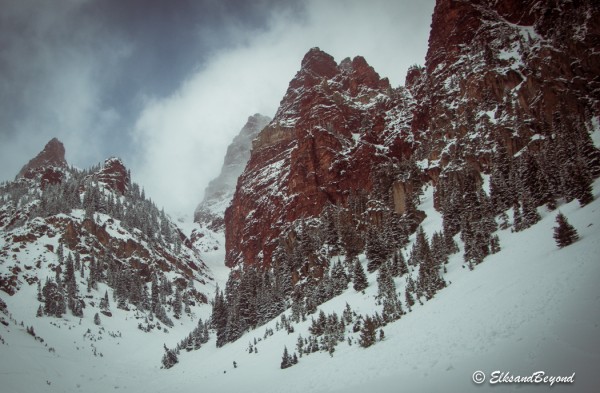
51	157
319	63
220	190
114	174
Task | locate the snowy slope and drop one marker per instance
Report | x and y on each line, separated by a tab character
530	307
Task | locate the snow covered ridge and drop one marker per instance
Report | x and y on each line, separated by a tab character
219	191
527	308
95	228
512	312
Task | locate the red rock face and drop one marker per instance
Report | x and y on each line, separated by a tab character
47	164
328	134
494	71
500	71
220	190
114	175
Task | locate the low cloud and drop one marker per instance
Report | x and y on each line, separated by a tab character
53	76
167	85
181	140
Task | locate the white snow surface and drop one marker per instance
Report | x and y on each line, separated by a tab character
531	307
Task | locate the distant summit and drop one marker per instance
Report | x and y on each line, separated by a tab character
114	175
47	164
220	190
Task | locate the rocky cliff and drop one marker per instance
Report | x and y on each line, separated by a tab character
333	128
501	72
49	164
103	221
219	192
498	74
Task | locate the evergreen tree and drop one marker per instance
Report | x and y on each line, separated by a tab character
359	277
530	214
374	249
71	284
155	295
40	297
339	278
500	185
169	358
564	234
494	244
177	304
104	302
517	217
398	266
351	241
438	248
300	345
220	317
408	298
429	281
367	333
583	185
286	360
392	308
54	300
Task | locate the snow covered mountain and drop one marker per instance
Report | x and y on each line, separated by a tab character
219	191
382	238
70	237
530	307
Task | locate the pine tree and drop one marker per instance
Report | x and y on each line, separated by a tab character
374	249
564	234
40	297
177	304
169	358
300	345
500	187
339	278
104	302
97	319
286	360
220	317
494	244
73	303
530	214
408	298
583	183
398	266
392	308
367	333
359	277
517	217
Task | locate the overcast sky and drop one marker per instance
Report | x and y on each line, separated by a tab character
166	85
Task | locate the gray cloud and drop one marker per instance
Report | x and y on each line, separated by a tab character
53	73
183	137
166	85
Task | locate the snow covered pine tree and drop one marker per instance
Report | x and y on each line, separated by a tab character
564	233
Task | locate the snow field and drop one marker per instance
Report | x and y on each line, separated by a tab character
530	307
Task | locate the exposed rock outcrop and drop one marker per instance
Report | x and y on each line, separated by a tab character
48	165
220	190
328	135
114	175
497	73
